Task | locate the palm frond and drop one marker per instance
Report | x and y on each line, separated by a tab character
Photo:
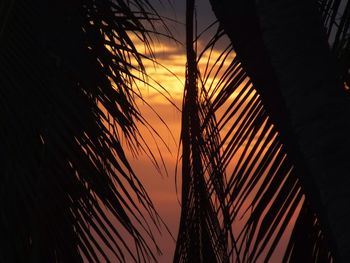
202	237
68	85
336	18
262	194
263	189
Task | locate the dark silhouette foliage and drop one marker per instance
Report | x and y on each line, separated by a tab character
68	84
68	78
270	184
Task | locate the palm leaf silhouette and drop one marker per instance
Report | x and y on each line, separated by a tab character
68	83
69	74
202	236
264	190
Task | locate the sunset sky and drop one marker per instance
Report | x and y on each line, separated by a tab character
169	72
171	56
97	146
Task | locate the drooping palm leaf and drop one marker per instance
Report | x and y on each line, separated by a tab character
250	143
202	237
68	82
263	187
336	18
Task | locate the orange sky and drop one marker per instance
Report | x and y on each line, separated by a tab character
161	187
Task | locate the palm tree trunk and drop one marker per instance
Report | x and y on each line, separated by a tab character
283	47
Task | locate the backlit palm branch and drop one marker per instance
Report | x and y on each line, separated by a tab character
68	82
264	190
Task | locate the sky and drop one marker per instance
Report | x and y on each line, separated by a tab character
166	75
171	55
